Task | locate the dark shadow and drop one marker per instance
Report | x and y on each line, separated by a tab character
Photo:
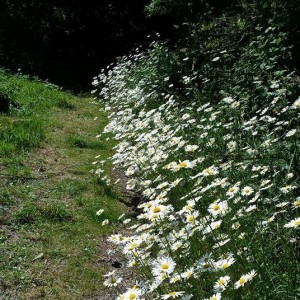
4	104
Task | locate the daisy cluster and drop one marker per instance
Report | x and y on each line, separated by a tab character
218	180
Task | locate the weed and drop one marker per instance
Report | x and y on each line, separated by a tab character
7	148
82	142
26	214
6	198
21	134
65	104
106	188
69	187
55	211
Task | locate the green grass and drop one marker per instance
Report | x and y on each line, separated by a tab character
17	135
49	236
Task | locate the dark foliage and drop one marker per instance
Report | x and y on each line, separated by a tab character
69	41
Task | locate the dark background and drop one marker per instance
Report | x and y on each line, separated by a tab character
69	41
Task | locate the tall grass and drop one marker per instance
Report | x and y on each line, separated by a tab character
23	125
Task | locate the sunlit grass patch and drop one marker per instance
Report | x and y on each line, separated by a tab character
21	134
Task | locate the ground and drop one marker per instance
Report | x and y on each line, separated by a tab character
52	243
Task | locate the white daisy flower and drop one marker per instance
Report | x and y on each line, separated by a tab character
247	190
295	223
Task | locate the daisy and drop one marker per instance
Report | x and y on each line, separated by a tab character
115	238
132	294
228	100
286	189
224	263
191	148
291	133
295	223
218	208
235	104
172	295
247	190
131	247
112	280
187	208
205	263
232	191
215	297
216	224
176	182
221	284
175	246
175	278
191	218
158	211
188	273
241	282
164	265
251	274
210	171
186	164
296	203
296	104
105	222
231	146
99	212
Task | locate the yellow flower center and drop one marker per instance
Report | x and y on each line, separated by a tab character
191	218
156	209
133	245
165	266
221	281
216	225
225	265
132	296
297	222
216	207
242	280
209	171
297	203
183	164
